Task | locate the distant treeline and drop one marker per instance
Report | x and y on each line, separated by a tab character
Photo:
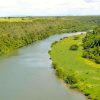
91	45
18	32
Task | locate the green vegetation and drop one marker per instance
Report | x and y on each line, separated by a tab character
73	47
75	70
76	37
18	32
91	45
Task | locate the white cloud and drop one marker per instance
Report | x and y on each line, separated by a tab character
49	7
92	0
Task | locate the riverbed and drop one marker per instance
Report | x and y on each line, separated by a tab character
27	74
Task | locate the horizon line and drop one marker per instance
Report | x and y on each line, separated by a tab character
45	16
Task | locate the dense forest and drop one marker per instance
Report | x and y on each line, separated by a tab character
91	45
18	32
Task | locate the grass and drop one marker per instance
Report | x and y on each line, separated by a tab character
87	72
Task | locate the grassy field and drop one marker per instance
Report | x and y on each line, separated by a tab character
85	74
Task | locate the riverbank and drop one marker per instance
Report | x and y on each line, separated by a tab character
69	65
21	31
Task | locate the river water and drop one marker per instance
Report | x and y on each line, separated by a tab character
27	75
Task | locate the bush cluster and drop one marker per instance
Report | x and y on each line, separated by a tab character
73	47
69	77
91	45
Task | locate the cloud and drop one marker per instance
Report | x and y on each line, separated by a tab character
49	7
90	1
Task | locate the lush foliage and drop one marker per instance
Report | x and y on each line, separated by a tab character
18	32
77	71
71	78
91	45
73	47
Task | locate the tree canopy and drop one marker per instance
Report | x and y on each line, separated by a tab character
91	45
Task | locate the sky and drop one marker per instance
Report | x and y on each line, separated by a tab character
49	7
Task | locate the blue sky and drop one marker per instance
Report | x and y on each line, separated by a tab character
49	7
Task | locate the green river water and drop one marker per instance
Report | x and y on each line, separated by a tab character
27	75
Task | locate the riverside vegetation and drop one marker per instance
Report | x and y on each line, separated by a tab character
18	32
91	45
76	60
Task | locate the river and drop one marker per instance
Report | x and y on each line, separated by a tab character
27	75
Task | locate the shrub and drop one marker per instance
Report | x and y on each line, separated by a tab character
54	65
86	54
60	72
49	51
76	37
73	47
87	92
97	59
53	43
71	79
